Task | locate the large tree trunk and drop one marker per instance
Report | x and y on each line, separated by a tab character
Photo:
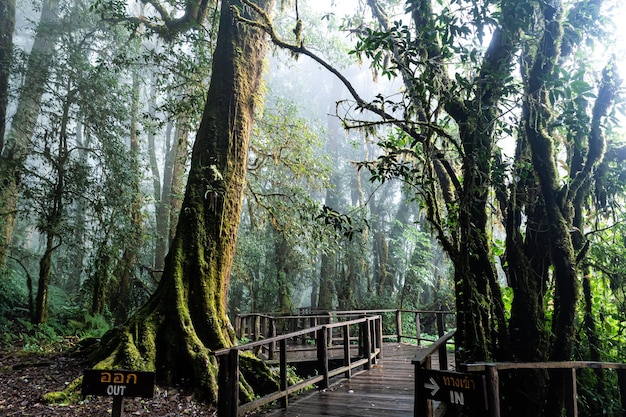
561	248
527	266
186	317
17	144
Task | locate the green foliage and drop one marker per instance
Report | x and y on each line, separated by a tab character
13	294
68	324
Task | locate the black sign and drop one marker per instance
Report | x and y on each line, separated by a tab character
463	390
118	383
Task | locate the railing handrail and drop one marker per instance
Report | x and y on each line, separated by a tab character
370	347
490	371
266	325
440	343
481	366
325	313
291	335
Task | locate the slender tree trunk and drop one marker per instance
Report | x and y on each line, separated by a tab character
125	269
175	195
396	244
283	256
186	317
163	203
45	264
54	213
17	144
328	267
78	211
7	25
159	185
383	280
328	275
100	279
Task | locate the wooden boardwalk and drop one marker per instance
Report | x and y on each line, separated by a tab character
385	390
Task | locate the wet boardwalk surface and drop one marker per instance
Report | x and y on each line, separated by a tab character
385	390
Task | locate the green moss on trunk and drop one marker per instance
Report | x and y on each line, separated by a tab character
175	332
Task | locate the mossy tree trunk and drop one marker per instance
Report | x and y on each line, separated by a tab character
543	219
482	333
562	205
186	317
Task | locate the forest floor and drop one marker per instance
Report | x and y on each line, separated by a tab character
25	377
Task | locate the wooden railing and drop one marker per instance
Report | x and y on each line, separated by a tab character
369	341
423	407
491	372
256	326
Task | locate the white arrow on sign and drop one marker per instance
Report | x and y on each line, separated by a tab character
433	386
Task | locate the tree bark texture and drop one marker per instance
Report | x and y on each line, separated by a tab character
176	193
186	317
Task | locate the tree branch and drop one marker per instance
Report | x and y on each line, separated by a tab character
266	25
597	142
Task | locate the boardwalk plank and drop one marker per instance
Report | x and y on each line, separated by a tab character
386	390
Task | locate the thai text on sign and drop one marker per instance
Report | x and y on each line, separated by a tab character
118	383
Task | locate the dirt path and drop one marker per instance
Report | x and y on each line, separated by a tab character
25	378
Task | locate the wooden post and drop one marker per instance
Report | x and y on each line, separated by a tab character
228	385
443	357
443	350
571	402
346	350
366	340
423	407
360	342
272	346
330	333
441	330
238	325
372	329
118	402
493	390
322	356
379	335
399	325
264	327
283	372
257	327
418	329
621	381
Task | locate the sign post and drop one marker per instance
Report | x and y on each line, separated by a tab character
118	384
460	391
